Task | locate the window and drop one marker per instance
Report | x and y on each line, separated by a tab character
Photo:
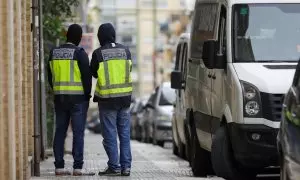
162	4
222	32
107	4
266	32
204	27
126	3
184	61
146	3
178	54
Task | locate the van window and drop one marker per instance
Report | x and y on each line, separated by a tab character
204	26
222	32
178	54
266	32
184	61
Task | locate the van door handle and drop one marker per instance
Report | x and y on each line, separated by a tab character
209	75
214	76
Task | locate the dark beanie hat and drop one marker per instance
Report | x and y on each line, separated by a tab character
74	34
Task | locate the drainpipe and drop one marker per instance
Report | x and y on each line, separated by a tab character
154	43
43	107
36	135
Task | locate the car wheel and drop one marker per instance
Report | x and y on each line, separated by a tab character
161	143
143	134
138	133
223	161
154	140
200	158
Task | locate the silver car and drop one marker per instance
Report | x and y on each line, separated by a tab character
157	127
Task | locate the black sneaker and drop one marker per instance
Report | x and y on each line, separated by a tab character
125	172
109	172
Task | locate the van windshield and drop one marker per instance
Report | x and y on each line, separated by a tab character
266	32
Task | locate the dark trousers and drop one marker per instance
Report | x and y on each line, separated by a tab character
77	113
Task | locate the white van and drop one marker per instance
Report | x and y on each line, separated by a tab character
242	61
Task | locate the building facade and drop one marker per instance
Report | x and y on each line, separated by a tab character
16	89
138	24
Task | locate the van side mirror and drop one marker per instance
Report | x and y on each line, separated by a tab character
176	80
211	59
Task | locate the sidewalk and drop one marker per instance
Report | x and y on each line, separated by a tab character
149	162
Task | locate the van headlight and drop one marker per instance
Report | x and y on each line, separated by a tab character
252	101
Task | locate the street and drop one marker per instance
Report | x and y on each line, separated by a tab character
149	162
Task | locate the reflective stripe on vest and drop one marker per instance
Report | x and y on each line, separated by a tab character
114	78
66	73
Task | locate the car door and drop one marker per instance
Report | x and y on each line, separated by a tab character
218	74
199	76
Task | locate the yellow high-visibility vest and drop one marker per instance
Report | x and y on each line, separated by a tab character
66	76
114	77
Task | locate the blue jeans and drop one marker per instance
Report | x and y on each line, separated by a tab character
116	121
78	114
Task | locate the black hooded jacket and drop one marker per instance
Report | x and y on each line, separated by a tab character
107	38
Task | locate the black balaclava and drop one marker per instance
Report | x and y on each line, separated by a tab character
74	34
106	34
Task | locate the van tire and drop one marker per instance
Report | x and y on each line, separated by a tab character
223	161
200	158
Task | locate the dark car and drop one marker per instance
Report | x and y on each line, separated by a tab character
157	126
136	118
289	132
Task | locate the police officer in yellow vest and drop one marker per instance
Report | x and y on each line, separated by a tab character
111	65
71	80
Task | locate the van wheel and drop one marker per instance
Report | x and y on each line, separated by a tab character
154	141
200	158
223	161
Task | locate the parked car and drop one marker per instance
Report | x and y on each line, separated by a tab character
289	132
139	120
135	115
239	69
181	137
157	125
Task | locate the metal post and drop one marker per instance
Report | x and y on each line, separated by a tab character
154	42
36	136
43	107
